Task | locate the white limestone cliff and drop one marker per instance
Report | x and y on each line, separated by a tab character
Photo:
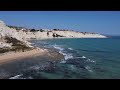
24	35
61	34
6	31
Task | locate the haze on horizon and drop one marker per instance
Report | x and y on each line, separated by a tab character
103	22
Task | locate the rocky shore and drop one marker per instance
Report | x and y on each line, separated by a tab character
15	39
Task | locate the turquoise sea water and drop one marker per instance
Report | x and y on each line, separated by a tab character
83	59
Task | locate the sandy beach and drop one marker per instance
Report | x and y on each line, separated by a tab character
20	55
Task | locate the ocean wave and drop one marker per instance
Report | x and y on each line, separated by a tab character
66	55
72	67
70	48
44	42
61	50
89	60
88	68
81	57
58	47
17	77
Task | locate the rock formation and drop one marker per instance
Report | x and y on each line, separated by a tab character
22	35
9	32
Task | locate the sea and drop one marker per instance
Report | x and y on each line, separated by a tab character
84	58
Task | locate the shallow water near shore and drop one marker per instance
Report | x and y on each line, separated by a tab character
83	59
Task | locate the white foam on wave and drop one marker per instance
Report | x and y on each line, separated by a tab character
72	67
30	77
58	47
16	77
81	57
88	68
89	60
66	56
70	48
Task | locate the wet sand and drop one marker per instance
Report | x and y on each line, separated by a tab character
12	64
10	56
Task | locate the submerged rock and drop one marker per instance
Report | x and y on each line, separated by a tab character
55	55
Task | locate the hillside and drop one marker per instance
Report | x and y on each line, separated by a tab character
11	40
55	33
21	34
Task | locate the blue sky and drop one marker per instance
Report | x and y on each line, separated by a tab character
104	22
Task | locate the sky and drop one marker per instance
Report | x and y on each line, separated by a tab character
103	22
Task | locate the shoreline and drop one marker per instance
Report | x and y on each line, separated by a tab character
68	38
12	56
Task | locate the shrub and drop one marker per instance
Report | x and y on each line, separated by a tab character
41	30
16	44
32	30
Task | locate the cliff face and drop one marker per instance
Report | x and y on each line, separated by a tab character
9	32
73	34
6	31
23	35
60	34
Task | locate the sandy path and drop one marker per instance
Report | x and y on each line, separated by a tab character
19	55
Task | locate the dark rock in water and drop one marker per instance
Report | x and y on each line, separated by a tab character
80	66
66	72
29	72
4	75
75	61
71	62
55	55
49	67
32	73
